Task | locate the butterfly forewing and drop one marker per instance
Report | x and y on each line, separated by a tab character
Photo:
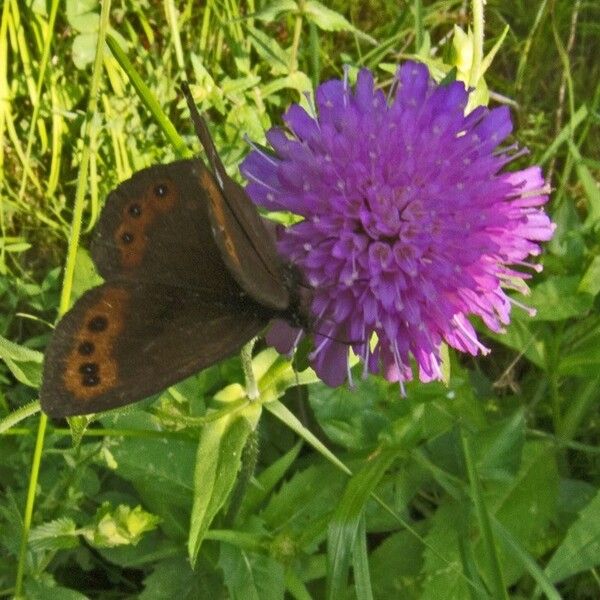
155	228
246	244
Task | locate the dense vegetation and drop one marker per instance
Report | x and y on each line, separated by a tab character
487	486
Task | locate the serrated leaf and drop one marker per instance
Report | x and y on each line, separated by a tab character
46	589
251	576
580	548
329	20
161	470
25	364
269	50
275	9
174	578
558	298
218	461
54	535
590	282
395	567
498	448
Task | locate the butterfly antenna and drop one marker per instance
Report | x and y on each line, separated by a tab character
338	340
203	134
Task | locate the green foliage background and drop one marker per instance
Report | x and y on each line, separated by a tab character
486	487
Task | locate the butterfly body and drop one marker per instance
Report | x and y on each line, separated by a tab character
191	274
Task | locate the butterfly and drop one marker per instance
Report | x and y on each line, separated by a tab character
191	273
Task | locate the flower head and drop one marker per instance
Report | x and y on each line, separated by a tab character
409	224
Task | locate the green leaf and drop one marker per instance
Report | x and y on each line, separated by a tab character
161	470
286	416
583	355
589	184
521	336
344	524
300	505
269	478
590	282
297	81
269	50
580	548
251	576
174	578
274	9
495	573
85	275
218	461
498	448
442	575
54	535
360	563
84	49
46	589
329	20
526	560
83	15
356	418
395	567
521	496
558	298
25	364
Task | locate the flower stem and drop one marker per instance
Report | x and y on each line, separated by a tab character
418	8
65	296
296	39
246	357
249	460
478	27
27	517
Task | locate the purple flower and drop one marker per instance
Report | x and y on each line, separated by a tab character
409	224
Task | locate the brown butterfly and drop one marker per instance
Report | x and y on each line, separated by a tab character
191	274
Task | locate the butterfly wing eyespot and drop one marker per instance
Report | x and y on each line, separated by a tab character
81	362
90	367
134	210
131	236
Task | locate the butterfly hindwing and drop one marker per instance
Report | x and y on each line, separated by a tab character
124	341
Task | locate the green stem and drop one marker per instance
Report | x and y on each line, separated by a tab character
148	99
478	34
38	103
249	461
19	415
27	517
296	39
419	34
65	297
246	357
484	521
